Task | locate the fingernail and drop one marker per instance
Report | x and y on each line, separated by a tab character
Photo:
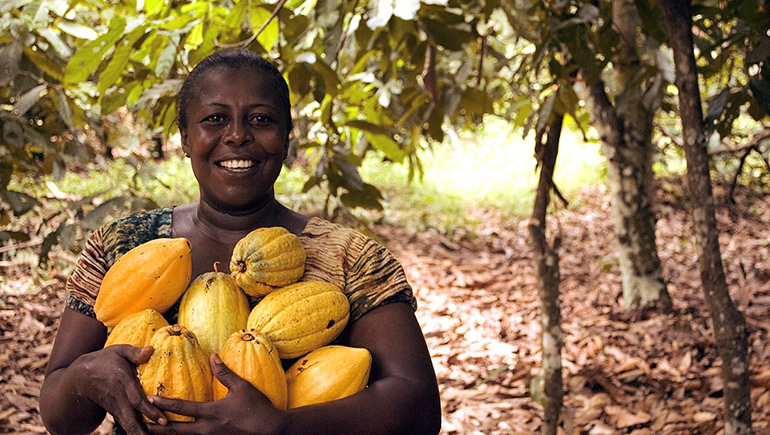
162	421
217	359
151	399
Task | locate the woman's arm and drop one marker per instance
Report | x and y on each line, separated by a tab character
82	380
402	397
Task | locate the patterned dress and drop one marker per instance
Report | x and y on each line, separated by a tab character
365	270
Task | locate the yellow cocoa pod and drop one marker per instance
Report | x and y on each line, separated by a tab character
137	329
213	307
267	258
301	317
253	357
328	373
177	369
151	275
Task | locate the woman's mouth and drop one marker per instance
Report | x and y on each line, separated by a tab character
237	164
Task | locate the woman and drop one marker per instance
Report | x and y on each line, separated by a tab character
234	120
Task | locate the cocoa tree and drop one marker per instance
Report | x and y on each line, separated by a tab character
546	258
728	323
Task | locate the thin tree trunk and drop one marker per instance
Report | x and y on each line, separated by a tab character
548	278
728	323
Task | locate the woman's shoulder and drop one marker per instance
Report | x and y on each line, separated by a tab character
144	219
321	228
129	231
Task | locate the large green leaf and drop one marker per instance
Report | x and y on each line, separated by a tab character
117	65
269	36
88	58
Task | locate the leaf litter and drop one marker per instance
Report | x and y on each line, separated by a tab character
625	371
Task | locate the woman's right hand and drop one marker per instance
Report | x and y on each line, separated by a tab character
108	378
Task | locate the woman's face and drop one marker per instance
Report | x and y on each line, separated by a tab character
236	137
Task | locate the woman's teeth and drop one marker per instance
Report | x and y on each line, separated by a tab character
237	164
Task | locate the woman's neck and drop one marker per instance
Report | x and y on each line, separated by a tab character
220	224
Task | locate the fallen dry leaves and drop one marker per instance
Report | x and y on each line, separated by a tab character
625	372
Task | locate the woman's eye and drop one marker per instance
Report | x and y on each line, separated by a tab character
215	118
260	119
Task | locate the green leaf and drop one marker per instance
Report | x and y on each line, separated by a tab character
195	37
269	36
168	119
760	53
207	46
369	198
760	91
88	58
386	145
154	7
452	39
366	126
112	100
45	63
716	108
310	183
180	24
237	15
352	179
331	80
119	61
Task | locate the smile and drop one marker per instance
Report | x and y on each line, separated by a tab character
237	164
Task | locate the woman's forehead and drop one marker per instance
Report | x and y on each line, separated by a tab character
245	80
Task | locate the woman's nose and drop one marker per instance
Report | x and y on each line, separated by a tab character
238	133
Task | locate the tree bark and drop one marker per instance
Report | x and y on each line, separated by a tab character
629	174
728	323
548	278
626	129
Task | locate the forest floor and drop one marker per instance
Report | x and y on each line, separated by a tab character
625	372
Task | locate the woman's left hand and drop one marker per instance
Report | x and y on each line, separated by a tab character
245	410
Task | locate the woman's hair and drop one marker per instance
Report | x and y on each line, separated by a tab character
234	58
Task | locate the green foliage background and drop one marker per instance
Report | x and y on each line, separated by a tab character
91	83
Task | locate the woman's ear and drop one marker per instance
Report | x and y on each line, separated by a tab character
185	144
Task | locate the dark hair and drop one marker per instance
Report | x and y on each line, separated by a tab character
231	58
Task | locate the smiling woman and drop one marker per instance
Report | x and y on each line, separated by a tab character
234	124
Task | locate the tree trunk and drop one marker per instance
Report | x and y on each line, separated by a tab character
548	278
629	172
627	145
728	323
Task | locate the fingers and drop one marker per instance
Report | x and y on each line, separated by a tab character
177	427
227	377
142	403
137	355
177	406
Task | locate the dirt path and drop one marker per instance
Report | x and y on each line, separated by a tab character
625	372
